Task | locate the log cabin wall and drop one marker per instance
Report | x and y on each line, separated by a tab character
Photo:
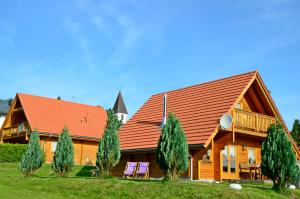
202	169
154	169
84	151
243	142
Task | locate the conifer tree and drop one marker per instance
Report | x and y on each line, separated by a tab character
295	133
278	158
33	157
63	159
172	149
108	154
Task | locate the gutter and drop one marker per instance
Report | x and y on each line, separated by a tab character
72	136
191	146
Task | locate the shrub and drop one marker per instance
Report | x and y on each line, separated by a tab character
295	133
108	154
33	157
172	149
63	160
12	152
278	158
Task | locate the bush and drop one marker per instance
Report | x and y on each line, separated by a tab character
63	160
172	149
12	152
278	159
109	154
33	157
295	133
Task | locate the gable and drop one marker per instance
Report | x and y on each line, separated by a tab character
256	98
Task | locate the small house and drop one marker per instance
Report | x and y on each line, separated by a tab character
225	122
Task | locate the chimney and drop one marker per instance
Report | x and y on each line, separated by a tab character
164	120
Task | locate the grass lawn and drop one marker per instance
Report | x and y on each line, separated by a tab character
79	185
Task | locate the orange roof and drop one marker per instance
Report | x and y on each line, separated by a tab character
51	116
198	107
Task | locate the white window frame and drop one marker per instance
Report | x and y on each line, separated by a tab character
53	146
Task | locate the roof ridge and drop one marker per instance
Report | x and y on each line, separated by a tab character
208	82
65	101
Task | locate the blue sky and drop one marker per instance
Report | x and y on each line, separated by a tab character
87	50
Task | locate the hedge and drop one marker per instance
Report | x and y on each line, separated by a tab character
12	152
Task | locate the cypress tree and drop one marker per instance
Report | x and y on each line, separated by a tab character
33	157
63	159
278	158
172	149
295	133
108	154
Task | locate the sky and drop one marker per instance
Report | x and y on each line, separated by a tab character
86	51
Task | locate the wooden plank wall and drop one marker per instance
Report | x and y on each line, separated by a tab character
206	170
197	156
154	169
84	151
223	139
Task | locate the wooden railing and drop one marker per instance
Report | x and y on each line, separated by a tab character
252	121
14	130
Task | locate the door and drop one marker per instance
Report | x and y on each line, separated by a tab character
228	160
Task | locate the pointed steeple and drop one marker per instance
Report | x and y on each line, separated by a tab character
119	106
120	109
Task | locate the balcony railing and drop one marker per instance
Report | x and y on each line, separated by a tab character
252	121
14	130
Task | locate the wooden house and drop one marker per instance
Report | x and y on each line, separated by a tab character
215	153
48	117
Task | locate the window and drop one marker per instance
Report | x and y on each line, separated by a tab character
53	146
251	156
232	159
238	106
207	155
225	159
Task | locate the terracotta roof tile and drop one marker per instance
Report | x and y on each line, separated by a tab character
198	107
51	115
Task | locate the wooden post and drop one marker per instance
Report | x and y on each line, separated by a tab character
81	151
212	156
233	126
199	165
221	165
256	122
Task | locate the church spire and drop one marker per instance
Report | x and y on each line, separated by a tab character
120	108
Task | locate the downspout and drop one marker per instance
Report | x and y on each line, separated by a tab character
164	120
191	167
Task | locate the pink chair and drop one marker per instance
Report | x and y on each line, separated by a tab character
130	169
143	169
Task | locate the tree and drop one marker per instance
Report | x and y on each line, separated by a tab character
63	159
33	157
295	133
172	149
10	100
108	154
278	158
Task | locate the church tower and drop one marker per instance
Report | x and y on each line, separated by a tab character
120	109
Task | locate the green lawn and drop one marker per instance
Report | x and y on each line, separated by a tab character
79	185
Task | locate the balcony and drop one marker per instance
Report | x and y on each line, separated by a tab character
14	130
250	122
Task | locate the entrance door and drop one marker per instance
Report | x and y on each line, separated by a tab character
228	160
